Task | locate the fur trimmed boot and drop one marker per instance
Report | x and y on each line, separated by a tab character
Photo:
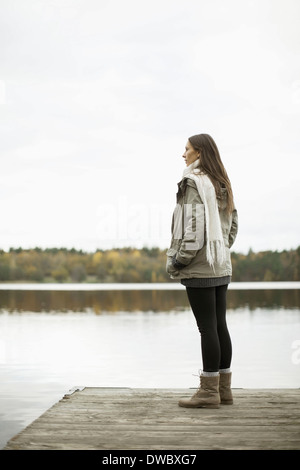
225	389
207	395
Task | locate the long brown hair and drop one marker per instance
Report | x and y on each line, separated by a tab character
212	165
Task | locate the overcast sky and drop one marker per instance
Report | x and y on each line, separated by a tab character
98	98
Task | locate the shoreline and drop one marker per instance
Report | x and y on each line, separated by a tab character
141	286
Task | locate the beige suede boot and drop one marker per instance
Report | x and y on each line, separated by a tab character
207	395
225	389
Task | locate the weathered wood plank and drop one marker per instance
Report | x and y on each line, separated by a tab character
145	419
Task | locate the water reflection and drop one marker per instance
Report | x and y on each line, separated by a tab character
136	300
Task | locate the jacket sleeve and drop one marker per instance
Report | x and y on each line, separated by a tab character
234	228
192	226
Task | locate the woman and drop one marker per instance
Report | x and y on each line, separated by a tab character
204	227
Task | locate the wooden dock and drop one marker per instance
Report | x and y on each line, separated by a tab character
147	419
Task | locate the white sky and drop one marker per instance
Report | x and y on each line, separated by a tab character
98	98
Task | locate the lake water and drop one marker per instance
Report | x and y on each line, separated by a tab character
57	337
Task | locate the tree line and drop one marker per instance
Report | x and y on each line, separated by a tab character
132	265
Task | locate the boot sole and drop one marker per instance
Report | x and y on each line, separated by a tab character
198	406
227	402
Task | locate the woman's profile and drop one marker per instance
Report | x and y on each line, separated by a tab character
204	227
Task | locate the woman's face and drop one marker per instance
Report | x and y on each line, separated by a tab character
190	154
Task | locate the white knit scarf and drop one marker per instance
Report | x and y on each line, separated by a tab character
215	247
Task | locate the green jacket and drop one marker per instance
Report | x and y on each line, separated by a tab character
188	242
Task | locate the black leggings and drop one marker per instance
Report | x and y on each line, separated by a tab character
209	307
